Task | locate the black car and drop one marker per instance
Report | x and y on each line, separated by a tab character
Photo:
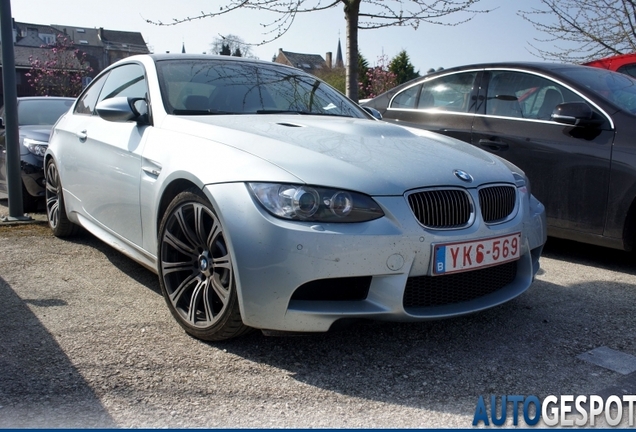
571	128
36	117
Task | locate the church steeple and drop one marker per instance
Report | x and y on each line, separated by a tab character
339	61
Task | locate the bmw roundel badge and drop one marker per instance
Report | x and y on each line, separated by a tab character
463	175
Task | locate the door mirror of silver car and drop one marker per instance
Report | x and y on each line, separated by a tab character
575	114
123	109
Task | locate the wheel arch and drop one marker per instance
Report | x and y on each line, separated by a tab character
169	193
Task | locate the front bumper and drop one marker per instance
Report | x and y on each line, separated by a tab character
32	171
281	266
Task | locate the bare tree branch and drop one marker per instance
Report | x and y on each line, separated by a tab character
583	30
359	15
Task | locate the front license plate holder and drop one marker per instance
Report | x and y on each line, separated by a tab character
476	254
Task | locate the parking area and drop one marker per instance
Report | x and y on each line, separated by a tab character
87	341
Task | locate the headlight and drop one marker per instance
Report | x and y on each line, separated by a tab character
522	181
315	204
36	147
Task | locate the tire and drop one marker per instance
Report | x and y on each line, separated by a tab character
55	208
196	272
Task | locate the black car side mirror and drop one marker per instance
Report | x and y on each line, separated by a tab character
575	114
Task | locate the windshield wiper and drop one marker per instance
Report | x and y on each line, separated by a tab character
274	111
200	112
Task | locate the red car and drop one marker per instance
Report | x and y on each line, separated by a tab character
624	63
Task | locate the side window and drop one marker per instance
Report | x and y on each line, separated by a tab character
87	101
448	92
125	81
407	98
523	95
628	69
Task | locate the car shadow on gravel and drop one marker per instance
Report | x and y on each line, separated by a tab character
590	255
39	386
127	265
528	346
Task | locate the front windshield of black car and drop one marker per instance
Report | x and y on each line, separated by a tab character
618	88
41	111
218	86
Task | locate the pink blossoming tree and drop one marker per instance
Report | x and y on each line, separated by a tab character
59	71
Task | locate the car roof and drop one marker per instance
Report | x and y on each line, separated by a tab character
538	66
615	61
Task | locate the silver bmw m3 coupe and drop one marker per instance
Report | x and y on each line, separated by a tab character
263	198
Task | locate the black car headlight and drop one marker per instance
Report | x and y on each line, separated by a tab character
36	147
315	204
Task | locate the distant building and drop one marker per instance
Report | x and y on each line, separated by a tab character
308	62
311	63
102	47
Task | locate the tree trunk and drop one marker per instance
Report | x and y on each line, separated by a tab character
352	9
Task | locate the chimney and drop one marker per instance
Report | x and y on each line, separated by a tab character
328	59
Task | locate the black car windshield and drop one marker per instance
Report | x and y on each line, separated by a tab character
42	111
217	86
613	86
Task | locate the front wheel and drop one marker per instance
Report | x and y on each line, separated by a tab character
196	272
55	209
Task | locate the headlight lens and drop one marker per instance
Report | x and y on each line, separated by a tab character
522	181
36	147
315	204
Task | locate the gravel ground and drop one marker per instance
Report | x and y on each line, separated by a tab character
87	341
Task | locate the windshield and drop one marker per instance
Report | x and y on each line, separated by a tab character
40	111
618	88
215	86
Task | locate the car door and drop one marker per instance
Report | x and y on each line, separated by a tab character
103	173
568	167
443	104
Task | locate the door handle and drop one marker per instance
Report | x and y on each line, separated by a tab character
82	135
493	145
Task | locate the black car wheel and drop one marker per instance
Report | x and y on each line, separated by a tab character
195	270
55	209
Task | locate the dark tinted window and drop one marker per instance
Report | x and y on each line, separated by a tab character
125	81
88	100
524	95
447	93
42	111
629	69
618	88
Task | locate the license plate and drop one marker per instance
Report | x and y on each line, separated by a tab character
464	256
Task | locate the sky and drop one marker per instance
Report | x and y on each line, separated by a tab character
500	35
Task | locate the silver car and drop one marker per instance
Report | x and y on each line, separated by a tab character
263	198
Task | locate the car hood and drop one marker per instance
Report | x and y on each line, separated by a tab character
368	156
36	132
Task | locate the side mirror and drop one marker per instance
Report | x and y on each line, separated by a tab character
374	112
575	114
123	109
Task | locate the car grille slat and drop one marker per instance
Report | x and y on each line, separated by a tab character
430	291
497	202
449	208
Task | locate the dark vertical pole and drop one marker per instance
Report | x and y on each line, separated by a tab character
14	179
